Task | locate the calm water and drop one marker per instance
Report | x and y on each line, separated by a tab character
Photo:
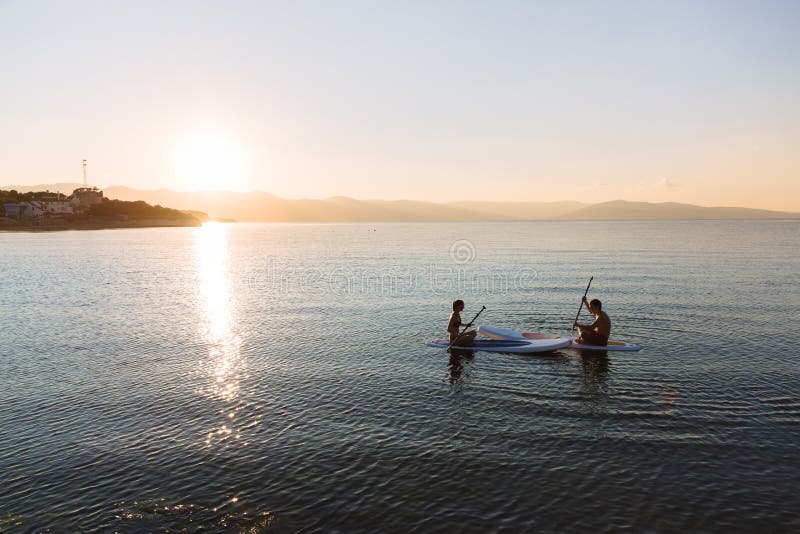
275	378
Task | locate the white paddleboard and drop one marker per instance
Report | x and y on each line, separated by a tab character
515	335
506	345
617	346
495	332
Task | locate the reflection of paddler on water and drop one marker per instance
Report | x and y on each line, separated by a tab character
454	325
595	367
598	332
456	364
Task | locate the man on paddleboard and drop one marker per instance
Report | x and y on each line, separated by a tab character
454	326
596	333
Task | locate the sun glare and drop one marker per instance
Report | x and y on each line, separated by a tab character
209	162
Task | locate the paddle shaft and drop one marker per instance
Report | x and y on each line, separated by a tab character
465	328
581	306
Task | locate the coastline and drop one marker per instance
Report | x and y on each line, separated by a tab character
10	225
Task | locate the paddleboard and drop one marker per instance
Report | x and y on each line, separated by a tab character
515	335
506	345
618	346
495	332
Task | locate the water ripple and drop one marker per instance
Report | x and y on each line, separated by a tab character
173	385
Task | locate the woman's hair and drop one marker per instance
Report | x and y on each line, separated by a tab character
457	303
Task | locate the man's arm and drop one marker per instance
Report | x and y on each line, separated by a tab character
575	323
588	305
583	327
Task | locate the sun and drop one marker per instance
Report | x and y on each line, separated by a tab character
209	162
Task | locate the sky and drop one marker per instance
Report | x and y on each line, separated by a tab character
693	102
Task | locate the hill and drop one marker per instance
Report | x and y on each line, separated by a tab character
624	210
139	209
264	207
258	206
525	211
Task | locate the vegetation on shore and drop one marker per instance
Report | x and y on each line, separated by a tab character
137	209
14	196
105	213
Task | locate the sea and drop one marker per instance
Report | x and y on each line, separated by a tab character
275	378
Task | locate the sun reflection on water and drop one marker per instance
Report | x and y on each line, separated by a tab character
224	364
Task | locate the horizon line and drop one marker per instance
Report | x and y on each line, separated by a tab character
437	202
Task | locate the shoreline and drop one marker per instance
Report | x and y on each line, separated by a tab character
10	225
101	224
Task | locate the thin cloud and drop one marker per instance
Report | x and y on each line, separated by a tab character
666	183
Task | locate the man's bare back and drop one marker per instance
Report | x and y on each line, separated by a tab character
602	325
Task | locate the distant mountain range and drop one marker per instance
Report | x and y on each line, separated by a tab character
264	207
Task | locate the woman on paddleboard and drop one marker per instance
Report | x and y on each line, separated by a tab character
454	326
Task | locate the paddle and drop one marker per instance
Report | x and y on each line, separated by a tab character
581	306
465	328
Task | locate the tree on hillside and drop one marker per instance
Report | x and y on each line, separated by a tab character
137	209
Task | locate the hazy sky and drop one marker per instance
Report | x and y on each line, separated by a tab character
499	100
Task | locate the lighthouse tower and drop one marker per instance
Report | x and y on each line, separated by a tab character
85	196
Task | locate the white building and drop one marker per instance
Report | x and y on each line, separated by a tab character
37	208
58	207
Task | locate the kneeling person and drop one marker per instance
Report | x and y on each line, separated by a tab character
454	326
596	333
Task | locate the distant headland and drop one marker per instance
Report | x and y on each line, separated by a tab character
258	206
86	208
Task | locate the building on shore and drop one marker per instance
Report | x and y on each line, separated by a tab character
83	197
37	208
18	210
46	204
61	207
